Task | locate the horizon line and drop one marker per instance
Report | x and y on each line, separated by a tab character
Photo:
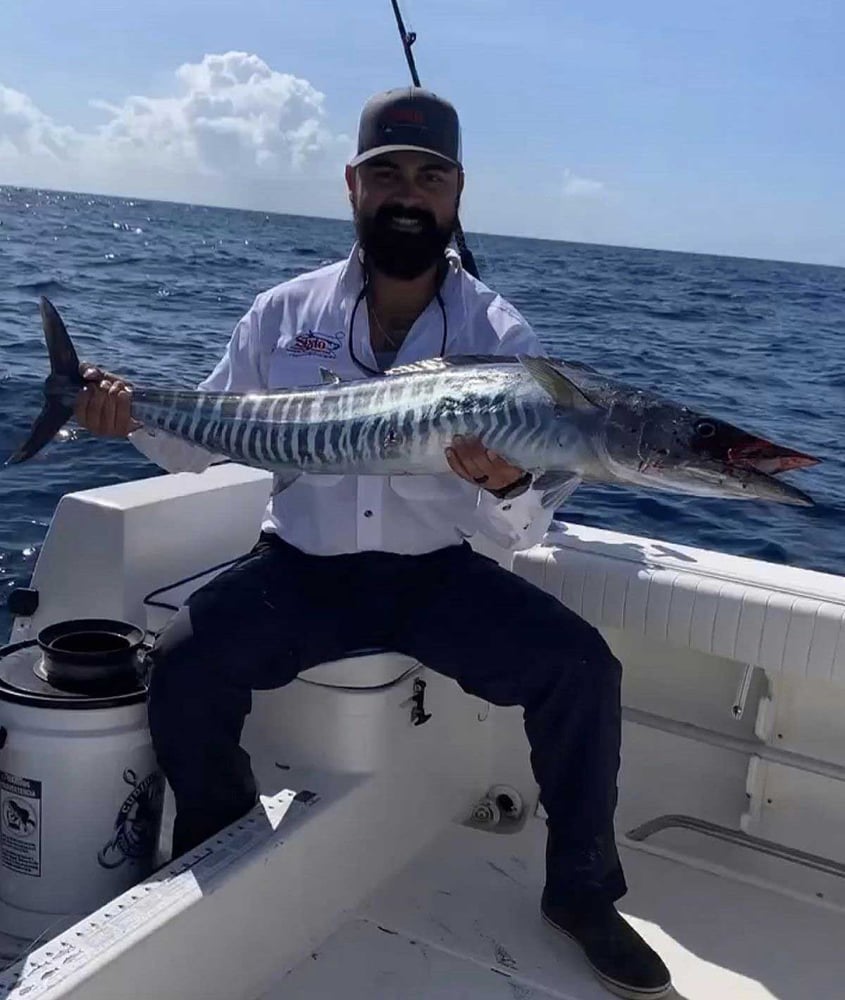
476	232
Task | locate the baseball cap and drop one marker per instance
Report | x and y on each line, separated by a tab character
408	118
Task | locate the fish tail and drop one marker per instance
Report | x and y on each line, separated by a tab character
60	387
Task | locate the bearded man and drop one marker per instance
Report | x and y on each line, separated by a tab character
396	548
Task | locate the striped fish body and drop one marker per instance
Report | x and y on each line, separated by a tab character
394	424
560	419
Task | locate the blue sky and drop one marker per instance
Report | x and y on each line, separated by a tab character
712	127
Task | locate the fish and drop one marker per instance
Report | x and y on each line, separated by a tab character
563	421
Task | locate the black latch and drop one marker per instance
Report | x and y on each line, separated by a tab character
23	601
418	712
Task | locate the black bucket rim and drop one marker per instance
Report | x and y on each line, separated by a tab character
89	655
133	634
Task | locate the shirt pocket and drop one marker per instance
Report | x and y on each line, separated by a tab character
288	372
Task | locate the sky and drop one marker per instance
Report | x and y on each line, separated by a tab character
711	127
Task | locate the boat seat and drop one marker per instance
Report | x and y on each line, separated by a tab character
367	667
783	619
359	713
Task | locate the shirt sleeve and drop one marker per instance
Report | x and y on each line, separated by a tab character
520	522
238	370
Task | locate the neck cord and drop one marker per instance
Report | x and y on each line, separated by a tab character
361	296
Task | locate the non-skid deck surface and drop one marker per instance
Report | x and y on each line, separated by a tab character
461	922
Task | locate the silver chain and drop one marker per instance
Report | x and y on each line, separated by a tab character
381	329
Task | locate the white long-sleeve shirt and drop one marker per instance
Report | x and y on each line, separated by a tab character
305	324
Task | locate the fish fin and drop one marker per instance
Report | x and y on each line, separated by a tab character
60	387
470	360
328	377
429	366
580	366
556	487
281	481
433	365
562	390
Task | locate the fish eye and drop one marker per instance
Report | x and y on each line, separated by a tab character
705	429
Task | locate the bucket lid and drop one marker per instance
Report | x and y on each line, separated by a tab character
83	664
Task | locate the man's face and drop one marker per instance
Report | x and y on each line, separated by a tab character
405	206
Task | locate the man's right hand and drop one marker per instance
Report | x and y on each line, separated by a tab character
102	406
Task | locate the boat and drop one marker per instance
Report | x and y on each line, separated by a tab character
397	848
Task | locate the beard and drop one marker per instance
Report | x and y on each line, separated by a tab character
398	253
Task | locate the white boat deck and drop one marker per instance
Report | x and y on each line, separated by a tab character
734	695
462	922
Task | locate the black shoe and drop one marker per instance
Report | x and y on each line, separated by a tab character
619	957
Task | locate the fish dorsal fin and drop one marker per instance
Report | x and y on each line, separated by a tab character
328	377
434	365
562	390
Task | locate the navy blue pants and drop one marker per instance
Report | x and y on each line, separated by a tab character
280	611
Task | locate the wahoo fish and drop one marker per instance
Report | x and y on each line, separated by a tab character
562	421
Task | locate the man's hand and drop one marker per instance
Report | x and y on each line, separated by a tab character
102	407
472	461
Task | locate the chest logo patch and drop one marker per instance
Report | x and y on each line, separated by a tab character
321	345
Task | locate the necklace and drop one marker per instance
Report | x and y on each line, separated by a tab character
387	337
351	330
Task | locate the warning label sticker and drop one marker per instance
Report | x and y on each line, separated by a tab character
20	824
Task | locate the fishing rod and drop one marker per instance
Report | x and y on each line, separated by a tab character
408	39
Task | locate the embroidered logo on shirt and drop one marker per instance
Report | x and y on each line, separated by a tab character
324	345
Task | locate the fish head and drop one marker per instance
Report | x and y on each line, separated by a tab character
664	446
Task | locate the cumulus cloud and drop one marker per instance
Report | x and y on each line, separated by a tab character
582	187
26	131
232	127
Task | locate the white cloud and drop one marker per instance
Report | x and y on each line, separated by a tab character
582	187
232	127
26	131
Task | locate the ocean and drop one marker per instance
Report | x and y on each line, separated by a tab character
152	290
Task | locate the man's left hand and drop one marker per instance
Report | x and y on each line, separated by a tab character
473	462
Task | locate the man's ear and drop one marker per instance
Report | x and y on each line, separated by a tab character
350	184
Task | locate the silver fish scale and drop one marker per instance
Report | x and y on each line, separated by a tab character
400	422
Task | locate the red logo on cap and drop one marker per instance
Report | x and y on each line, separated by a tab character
405	116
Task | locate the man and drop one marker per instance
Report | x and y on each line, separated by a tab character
394	546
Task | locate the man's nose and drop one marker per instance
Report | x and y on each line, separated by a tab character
409	193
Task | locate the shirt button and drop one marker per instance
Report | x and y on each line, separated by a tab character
368	513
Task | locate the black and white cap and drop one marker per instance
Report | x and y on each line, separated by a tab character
408	118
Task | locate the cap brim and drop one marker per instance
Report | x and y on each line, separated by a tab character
382	150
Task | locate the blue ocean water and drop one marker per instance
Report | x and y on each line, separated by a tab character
152	290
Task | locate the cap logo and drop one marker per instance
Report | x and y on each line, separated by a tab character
405	116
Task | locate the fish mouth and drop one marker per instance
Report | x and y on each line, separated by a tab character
766	457
747	464
749	474
760	485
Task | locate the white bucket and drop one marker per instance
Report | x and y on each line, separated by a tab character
80	791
